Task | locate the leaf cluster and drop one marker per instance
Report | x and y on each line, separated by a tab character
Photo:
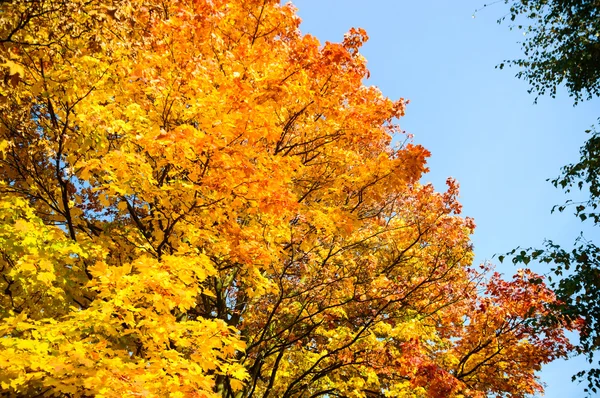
197	200
561	45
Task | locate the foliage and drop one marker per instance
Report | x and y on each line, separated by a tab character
578	270
562	45
196	200
584	175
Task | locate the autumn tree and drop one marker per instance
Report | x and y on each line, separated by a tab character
562	48
196	200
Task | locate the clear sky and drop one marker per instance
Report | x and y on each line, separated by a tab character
479	122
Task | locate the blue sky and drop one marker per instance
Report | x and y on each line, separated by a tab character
479	122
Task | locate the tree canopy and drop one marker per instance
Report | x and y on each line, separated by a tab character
197	200
562	46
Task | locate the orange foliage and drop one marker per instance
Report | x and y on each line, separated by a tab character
197	200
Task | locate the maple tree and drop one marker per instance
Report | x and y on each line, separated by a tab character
198	200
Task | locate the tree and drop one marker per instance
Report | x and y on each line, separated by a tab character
562	46
198	200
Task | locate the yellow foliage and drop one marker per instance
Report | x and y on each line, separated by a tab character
196	200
